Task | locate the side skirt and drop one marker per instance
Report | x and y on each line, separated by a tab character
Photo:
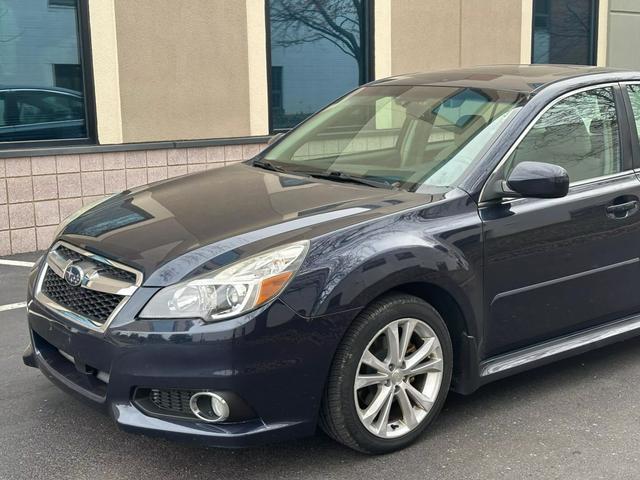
559	348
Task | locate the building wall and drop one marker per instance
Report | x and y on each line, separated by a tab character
183	67
624	34
106	82
439	34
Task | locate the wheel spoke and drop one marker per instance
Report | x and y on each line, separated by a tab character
422	400
433	365
374	362
393	342
408	414
370	379
378	402
407	331
420	354
383	418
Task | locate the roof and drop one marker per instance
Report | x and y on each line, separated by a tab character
518	78
41	89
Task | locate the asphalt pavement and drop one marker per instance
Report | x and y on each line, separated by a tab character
576	419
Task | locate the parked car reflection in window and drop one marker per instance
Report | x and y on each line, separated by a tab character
41	114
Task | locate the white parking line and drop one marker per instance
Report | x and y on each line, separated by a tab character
16	263
12	306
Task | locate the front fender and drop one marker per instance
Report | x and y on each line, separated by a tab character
347	270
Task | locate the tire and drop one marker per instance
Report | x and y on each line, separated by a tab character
346	410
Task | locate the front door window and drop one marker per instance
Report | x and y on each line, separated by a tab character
579	133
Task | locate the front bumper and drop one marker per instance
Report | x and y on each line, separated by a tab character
273	360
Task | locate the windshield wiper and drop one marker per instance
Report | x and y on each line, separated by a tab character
329	175
345	177
267	166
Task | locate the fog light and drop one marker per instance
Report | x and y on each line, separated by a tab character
209	407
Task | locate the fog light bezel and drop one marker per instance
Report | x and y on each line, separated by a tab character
219	407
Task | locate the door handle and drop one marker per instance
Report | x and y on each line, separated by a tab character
622	210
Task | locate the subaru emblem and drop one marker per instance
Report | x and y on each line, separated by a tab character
73	274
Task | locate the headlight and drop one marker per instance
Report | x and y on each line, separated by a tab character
234	290
77	213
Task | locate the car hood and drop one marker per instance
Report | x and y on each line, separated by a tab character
179	227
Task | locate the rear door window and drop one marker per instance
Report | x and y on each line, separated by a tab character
634	96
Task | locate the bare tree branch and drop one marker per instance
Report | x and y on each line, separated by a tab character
340	22
298	22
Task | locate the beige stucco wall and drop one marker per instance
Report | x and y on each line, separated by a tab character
491	31
106	82
183	68
382	38
436	34
623	34
257	57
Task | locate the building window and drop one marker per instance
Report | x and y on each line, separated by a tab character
319	50
564	31
42	87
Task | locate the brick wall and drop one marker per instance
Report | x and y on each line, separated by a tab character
36	193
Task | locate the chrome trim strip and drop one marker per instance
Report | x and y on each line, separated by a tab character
101	283
524	133
93	280
553	281
101	259
57	263
610	176
559	346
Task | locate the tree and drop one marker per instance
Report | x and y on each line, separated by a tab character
296	22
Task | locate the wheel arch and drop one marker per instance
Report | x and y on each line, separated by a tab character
464	343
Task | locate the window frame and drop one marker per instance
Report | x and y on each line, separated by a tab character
369	56
84	45
594	24
633	129
487	194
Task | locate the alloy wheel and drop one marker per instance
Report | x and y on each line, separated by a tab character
398	378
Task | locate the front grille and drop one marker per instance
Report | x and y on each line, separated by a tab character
118	274
104	269
93	302
175	401
96	306
69	254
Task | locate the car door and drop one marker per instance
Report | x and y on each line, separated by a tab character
554	266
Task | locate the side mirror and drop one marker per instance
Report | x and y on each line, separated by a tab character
275	138
538	180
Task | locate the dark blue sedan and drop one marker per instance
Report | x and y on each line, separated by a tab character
424	233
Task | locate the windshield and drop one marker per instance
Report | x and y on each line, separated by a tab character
405	136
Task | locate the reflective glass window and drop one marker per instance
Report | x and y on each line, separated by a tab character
318	51
42	93
564	31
